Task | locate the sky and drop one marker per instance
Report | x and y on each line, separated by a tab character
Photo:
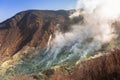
9	8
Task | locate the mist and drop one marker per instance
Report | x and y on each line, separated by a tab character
87	37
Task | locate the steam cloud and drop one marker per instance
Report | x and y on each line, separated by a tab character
89	36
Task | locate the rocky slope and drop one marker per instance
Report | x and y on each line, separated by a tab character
30	28
105	67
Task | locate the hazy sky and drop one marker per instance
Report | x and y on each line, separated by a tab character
8	8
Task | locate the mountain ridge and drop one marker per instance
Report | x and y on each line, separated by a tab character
27	25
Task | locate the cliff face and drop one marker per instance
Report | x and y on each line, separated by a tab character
30	28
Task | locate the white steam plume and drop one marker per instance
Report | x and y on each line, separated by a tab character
104	8
92	34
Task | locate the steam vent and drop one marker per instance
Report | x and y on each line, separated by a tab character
75	44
